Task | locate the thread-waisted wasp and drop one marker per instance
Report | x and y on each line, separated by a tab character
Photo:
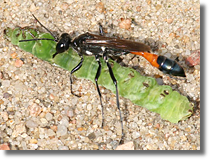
101	46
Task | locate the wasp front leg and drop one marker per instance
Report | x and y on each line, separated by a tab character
74	70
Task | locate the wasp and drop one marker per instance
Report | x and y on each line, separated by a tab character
101	46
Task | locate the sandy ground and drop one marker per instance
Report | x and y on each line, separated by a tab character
39	92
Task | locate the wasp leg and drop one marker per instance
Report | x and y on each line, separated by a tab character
53	56
72	71
99	92
117	95
101	32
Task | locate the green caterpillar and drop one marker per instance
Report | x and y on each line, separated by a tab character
141	90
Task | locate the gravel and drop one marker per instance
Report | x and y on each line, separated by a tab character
38	112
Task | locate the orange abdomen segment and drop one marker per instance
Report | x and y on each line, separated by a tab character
152	58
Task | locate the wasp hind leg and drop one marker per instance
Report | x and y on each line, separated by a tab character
117	95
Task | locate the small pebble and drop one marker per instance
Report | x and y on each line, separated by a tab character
49	116
50	132
92	136
33	8
63	148
70	113
5	83
33	141
126	146
18	63
13	55
61	130
6	95
34	109
31	124
65	121
43	122
89	107
193	59
125	23
169	21
4	146
100	7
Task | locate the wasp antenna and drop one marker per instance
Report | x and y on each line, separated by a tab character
56	38
36	39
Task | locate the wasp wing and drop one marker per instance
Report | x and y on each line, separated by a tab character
116	43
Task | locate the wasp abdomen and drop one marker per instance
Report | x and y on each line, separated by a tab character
170	66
